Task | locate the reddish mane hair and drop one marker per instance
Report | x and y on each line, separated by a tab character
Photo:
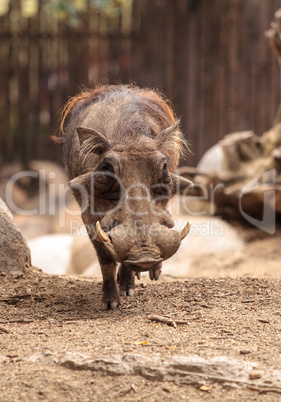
154	98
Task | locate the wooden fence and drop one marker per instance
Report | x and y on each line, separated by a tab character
209	57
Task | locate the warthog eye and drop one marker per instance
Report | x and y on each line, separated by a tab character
105	183
166	178
162	187
106	167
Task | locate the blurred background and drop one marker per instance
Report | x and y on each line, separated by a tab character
210	58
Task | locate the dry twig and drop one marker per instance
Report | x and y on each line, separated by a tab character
168	321
163	320
5	330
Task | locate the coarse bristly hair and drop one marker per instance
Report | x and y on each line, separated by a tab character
135	116
173	137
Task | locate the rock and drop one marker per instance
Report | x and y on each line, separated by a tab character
5	208
51	253
246	185
207	235
192	370
82	256
16	274
14	252
212	160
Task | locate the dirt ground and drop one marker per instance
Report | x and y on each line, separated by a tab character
56	344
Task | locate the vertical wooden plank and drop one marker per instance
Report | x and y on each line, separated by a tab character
275	90
93	67
223	102
195	79
6	140
191	65
170	49
263	77
137	70
125	57
233	61
24	99
207	71
34	67
114	49
103	50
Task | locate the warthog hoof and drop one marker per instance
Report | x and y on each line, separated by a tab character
128	292
111	298
126	279
155	272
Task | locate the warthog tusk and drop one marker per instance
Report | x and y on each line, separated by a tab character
185	230
102	235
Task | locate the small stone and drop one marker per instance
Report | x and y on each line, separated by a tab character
205	388
245	352
254	375
16	274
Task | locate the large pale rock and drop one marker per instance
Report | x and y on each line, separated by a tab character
83	258
51	253
192	370
14	252
189	370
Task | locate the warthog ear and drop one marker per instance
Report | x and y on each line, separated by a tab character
171	138
180	184
92	141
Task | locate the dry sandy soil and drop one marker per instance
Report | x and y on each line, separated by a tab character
218	334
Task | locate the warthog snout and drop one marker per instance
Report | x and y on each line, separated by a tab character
160	245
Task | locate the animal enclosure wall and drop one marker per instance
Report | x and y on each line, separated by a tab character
217	66
209	57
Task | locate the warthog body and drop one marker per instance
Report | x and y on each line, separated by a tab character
122	146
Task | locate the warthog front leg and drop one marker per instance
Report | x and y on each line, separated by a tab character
126	279
110	297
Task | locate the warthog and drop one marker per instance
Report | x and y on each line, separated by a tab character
121	149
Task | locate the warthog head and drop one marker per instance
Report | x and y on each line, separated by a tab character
124	198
